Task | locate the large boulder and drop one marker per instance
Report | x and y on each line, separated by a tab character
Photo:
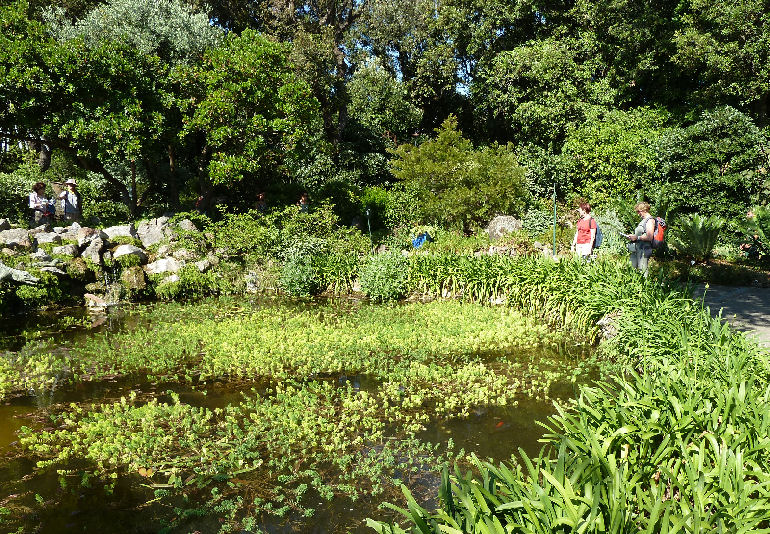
126	230
48	237
187	225
93	252
66	250
133	278
154	231
16	238
129	250
503	224
163	265
87	235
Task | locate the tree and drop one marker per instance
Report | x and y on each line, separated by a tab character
613	154
457	184
381	117
719	163
247	111
101	103
536	92
725	47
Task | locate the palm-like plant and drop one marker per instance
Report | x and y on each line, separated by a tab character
758	228
697	235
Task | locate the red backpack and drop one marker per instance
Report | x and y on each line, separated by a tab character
659	234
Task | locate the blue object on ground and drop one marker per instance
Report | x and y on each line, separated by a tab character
420	240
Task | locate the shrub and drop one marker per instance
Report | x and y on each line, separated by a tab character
384	276
696	236
300	275
537	221
458	185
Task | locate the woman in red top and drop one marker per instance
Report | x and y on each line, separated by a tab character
585	234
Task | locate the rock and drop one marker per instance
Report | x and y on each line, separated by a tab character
87	235
5	224
153	231
8	252
203	265
40	255
95	286
94	250
608	325
133	278
184	255
42	229
16	238
187	225
213	258
59	229
164	250
17	275
163	265
503	224
125	230
170	279
130	250
66	250
48	237
54	270
77	268
93	301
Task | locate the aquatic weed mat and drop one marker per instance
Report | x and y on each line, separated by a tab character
351	388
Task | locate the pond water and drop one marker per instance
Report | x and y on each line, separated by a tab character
71	497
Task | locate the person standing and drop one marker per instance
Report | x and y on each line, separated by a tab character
585	232
72	202
304	203
38	203
641	239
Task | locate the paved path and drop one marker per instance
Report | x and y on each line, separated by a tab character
745	308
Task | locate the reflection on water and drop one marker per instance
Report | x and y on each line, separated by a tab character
127	505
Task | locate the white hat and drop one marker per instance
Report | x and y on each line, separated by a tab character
70	181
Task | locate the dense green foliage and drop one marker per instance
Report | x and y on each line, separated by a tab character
457	184
165	103
294	428
674	441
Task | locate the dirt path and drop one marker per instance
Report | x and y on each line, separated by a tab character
745	308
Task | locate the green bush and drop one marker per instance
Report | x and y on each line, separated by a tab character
696	236
384	276
191	284
456	184
537	221
300	275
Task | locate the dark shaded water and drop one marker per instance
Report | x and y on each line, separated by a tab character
128	506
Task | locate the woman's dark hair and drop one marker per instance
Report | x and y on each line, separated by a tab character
585	206
38	186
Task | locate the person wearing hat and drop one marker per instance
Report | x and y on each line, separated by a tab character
72	202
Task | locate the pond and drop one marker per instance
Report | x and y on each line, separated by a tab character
261	416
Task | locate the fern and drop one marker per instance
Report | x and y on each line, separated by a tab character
697	235
758	228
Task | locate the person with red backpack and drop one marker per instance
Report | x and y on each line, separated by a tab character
647	235
585	232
